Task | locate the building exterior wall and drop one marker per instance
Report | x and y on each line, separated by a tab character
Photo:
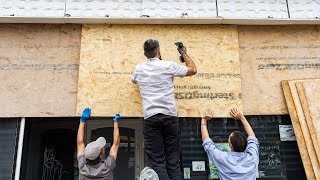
39	67
39	71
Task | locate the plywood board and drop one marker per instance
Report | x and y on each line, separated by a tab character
306	148
304	128
39	69
109	54
309	94
298	131
270	54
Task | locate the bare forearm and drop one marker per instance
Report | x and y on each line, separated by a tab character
190	64
116	137
116	141
80	135
204	130
247	127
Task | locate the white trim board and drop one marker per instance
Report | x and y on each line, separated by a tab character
107	20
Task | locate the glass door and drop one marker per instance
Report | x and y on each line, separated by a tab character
130	160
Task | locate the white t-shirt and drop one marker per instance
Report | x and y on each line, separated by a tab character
155	80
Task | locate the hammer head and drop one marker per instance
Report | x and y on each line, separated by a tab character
179	44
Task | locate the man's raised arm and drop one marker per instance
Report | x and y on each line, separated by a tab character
80	136
204	131
237	115
192	68
116	137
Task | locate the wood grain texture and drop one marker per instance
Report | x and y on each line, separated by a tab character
309	94
304	131
39	69
298	131
109	54
270	54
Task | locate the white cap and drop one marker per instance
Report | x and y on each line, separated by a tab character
93	149
148	174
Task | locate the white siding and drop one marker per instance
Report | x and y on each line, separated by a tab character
179	8
32	8
102	8
304	8
252	8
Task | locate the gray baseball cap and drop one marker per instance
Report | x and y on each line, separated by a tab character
93	149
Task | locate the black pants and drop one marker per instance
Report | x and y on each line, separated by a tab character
162	145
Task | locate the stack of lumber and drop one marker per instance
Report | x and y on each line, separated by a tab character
303	101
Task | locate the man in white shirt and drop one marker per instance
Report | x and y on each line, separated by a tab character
161	130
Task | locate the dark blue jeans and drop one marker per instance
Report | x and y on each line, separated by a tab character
162	145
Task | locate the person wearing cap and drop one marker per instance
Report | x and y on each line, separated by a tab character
90	161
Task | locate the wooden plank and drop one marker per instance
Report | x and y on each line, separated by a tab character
268	55
298	131
304	128
109	54
309	94
39	66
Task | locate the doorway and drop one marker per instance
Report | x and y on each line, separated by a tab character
50	147
130	160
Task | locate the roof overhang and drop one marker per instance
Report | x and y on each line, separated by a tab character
108	20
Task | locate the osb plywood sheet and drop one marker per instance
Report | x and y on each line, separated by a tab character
304	129
270	54
39	70
298	131
109	54
309	94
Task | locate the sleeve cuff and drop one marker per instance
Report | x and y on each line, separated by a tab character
206	141
78	157
111	162
112	158
134	73
133	77
252	139
185	71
